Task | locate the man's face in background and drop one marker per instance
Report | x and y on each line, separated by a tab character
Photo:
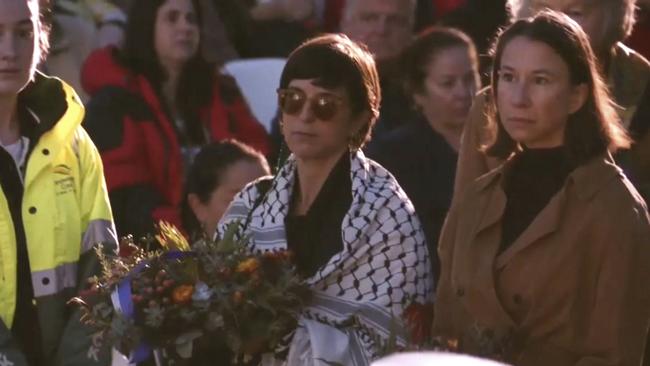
385	26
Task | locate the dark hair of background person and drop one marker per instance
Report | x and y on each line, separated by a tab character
238	25
595	127
206	173
139	56
481	20
425	47
334	61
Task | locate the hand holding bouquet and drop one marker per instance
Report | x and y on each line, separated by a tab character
168	299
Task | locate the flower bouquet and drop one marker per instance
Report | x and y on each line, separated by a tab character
161	302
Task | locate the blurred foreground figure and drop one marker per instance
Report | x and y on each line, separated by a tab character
53	204
433	359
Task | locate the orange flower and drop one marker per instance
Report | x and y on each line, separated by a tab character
237	297
280	255
250	265
452	344
182	294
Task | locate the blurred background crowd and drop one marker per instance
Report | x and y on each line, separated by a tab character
181	101
161	79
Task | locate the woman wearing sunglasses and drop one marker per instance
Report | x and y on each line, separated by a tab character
354	233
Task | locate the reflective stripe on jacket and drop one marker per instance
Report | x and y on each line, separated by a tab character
65	212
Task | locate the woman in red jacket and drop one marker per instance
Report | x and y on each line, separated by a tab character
153	105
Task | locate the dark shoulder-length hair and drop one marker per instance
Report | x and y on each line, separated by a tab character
139	56
425	47
333	61
595	127
207	172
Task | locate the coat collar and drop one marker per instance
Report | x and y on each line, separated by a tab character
584	182
58	112
588	178
628	75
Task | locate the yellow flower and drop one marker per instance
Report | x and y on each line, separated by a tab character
171	238
248	266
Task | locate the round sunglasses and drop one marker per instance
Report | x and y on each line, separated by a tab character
324	106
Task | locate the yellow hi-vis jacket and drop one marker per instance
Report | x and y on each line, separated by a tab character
65	212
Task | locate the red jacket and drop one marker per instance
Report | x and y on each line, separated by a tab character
139	145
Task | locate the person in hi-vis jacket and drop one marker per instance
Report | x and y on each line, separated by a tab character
53	204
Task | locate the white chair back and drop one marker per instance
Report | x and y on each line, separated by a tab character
258	79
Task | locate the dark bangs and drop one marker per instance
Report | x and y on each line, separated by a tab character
329	68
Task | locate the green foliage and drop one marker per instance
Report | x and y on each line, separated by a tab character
215	289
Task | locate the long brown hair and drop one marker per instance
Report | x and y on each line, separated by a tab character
197	78
595	127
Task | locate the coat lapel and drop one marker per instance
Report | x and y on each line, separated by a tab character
486	240
584	181
545	223
492	209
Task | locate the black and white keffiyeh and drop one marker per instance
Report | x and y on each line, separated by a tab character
384	264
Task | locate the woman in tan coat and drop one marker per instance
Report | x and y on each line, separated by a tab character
548	256
607	23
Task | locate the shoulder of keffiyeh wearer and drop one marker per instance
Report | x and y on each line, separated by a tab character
384	265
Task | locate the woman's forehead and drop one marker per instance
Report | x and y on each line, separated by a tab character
526	55
311	86
13	12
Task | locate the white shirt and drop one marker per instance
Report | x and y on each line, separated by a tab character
18	151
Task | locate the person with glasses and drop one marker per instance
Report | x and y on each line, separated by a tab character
546	258
354	233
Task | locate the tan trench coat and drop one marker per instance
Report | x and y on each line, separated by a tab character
573	289
629	75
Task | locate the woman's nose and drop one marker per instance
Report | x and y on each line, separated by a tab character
8	50
306	113
520	95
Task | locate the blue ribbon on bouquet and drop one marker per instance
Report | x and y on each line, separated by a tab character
123	303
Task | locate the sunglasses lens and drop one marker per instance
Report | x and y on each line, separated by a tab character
324	108
291	102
